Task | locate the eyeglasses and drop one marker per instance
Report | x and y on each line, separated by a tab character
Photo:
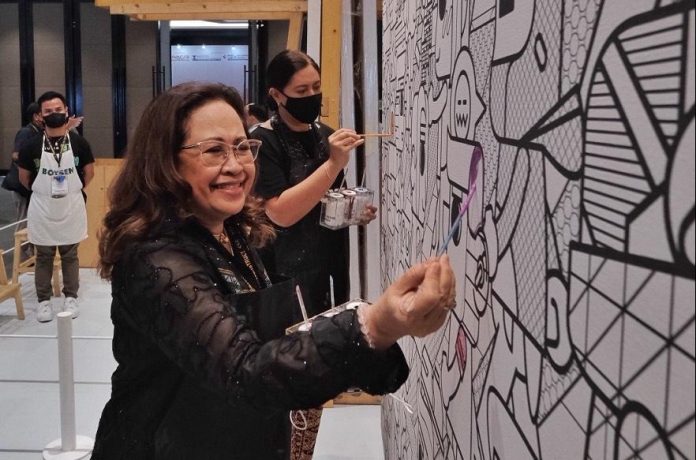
215	153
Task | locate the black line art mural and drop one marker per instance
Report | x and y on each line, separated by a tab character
575	326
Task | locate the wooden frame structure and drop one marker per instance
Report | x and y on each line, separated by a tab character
167	10
292	11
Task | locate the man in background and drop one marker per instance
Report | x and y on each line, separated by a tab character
24	135
56	166
255	115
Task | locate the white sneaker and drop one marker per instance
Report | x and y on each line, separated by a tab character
71	306
44	313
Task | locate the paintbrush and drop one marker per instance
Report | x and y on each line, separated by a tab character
473	173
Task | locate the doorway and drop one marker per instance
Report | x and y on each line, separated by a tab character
214	51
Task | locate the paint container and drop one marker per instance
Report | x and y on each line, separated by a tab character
363	198
306	326
333	211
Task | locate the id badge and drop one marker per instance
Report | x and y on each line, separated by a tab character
59	186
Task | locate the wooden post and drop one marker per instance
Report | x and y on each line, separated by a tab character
105	170
295	31
331	61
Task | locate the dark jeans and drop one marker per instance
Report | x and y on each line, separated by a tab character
43	272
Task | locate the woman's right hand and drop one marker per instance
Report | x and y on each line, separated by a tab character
416	304
341	142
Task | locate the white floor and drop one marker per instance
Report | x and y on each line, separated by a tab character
29	403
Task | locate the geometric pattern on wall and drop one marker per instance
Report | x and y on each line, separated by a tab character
633	353
575	326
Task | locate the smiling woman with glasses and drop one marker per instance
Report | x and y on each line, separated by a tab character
204	368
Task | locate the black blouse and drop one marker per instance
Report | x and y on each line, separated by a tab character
193	378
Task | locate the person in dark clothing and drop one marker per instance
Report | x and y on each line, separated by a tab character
56	167
35	128
25	134
32	130
199	374
299	161
255	115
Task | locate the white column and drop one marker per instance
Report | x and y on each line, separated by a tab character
347	117
347	112
69	446
371	99
314	30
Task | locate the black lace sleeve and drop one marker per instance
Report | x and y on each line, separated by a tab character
170	298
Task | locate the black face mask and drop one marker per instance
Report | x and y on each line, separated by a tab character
55	119
305	109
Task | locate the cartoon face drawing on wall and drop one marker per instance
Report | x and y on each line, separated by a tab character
462	106
466	106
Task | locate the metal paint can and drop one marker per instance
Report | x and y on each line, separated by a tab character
363	198
332	210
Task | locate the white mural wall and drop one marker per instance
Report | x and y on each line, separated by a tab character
574	331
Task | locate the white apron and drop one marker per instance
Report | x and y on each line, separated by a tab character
57	214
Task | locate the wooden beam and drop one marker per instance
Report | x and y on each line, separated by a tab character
270	16
330	61
279	5
295	31
249	8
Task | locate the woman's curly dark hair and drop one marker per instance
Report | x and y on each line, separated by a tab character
148	189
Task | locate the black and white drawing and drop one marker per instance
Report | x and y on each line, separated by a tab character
575	326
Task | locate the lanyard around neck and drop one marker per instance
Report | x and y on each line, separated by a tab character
58	155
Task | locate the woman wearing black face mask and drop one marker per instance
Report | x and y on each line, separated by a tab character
299	161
